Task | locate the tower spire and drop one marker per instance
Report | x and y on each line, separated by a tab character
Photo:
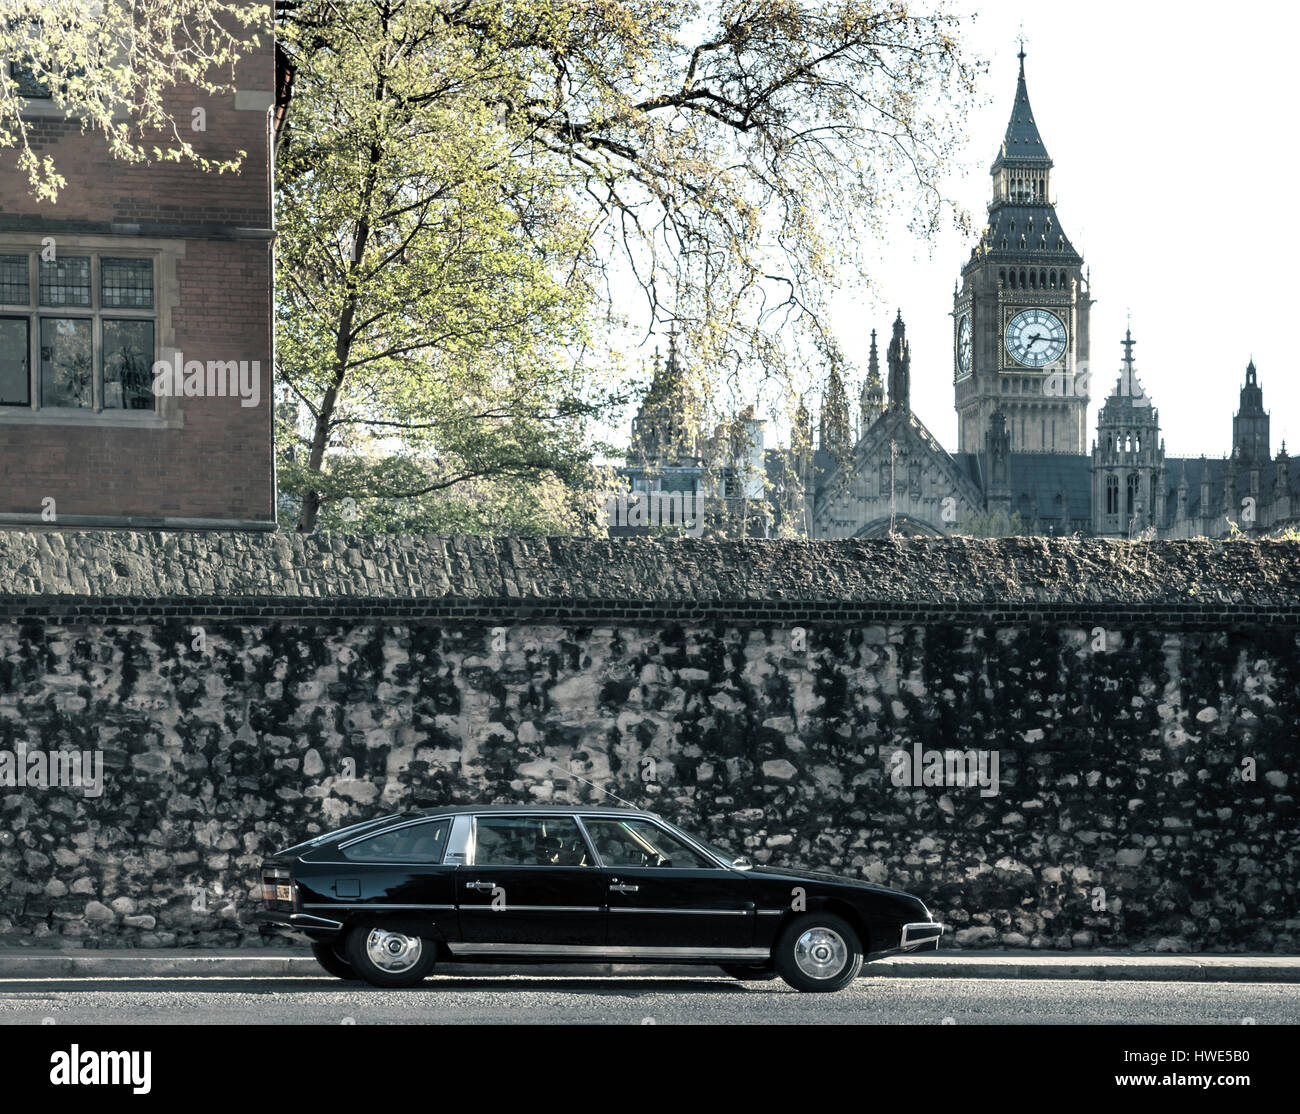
1022	143
873	390
1128	343
1129	387
899	358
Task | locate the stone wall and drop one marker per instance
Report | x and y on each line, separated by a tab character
244	691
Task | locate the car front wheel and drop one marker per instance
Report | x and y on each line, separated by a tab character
818	952
389	959
333	963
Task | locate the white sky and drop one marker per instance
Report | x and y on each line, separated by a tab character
1173	131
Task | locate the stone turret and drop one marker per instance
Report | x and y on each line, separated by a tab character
899	358
1250	433
997	464
1128	458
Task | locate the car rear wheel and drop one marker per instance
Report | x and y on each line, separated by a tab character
759	973
818	952
333	963
389	959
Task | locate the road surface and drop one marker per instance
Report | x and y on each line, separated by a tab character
541	999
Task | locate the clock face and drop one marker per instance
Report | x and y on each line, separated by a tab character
1036	337
963	342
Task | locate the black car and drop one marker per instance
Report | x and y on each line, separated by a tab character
387	899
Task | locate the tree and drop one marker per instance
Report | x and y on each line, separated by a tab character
433	308
726	159
96	59
471	188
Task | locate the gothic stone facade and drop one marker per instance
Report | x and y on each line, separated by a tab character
1020	352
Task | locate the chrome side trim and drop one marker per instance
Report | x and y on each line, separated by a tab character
371	905
511	908
297	920
459	845
682	912
771	912
486	867
609	951
303	921
408	864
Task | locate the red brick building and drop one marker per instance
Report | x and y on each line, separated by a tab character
138	269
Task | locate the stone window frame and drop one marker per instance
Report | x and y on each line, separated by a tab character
48	105
165	254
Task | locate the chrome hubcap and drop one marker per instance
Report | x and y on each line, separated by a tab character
821	953
391	951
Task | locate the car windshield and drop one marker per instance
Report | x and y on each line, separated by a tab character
728	857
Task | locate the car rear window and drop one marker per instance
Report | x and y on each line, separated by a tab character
341	833
414	843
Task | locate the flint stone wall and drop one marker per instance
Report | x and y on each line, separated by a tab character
246	691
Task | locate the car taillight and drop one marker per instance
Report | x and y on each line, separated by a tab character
278	888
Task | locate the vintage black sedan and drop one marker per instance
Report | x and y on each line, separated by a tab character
385	900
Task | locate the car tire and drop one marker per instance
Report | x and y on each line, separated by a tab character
333	963
761	973
389	959
818	953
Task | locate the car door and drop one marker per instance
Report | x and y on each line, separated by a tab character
398	875
530	885
664	894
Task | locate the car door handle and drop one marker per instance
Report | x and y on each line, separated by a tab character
624	888
480	886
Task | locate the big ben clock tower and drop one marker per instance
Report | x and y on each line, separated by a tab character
1020	313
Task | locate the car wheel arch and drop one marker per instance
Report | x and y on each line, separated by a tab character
408	924
835	906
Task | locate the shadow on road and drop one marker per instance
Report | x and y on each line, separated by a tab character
501	984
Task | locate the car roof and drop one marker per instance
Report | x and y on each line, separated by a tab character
515	810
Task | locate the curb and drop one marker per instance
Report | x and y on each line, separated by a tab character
1146	968
286	963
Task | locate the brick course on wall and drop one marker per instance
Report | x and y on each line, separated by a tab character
245	691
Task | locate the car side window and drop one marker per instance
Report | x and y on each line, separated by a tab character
641	843
529	841
415	843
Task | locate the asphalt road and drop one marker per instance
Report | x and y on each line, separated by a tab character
632	1001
